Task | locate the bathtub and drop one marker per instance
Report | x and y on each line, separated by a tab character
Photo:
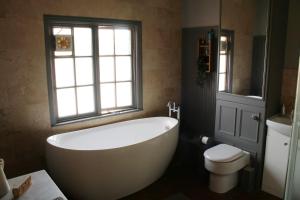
112	161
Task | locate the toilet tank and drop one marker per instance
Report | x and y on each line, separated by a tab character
276	155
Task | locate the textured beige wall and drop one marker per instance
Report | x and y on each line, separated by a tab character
200	13
239	16
24	109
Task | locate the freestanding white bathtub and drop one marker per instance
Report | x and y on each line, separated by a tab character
112	161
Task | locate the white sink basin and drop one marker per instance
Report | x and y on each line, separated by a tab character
281	124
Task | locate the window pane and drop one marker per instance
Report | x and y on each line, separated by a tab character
62	53
123	68
107	91
84	71
85	99
223	45
222	82
66	102
124	94
223	38
222	63
106	41
123	41
83	41
64	72
107	69
62	31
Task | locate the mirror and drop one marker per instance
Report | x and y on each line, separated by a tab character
242	47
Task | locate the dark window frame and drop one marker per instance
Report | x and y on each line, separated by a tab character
135	26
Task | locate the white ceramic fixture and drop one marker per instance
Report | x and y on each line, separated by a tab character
223	162
276	155
4	186
112	161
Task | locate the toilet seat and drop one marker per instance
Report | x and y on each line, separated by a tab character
223	162
223	153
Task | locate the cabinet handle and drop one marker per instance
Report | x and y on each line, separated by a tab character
285	144
255	117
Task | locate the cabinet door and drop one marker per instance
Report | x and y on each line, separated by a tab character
226	119
276	160
249	124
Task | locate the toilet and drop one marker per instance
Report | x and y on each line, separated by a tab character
224	162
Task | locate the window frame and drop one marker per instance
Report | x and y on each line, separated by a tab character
51	21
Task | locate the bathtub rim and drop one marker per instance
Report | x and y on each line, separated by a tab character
176	126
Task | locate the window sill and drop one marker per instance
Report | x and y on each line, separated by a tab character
76	120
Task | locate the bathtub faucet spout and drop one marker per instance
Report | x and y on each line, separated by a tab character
173	108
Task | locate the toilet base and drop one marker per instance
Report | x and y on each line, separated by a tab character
222	183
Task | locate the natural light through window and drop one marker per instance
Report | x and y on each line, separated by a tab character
223	64
94	69
74	74
115	61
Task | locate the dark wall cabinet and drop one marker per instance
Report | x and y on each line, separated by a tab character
198	102
239	122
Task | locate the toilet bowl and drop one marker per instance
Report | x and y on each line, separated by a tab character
223	162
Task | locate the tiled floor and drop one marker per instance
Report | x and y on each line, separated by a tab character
181	185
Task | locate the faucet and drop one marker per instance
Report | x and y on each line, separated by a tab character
172	108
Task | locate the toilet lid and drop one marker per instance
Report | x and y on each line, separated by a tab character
223	153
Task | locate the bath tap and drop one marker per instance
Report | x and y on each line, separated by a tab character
172	108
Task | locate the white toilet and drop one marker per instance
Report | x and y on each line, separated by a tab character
223	162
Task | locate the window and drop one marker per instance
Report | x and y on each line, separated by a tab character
94	67
225	61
